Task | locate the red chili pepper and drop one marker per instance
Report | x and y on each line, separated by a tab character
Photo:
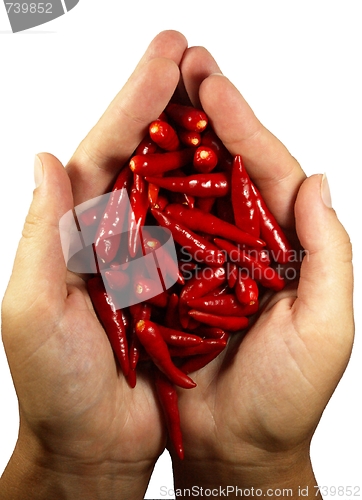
267	276
246	289
271	232
178	338
201	249
168	399
211	332
224	305
152	340
198	286
232	272
91	216
197	220
146	146
243	199
117	279
189	137
169	266
210	139
187	117
204	347
205	159
161	202
164	135
108	236
111	319
171	319
202	185
148	290
159	163
137	216
230	323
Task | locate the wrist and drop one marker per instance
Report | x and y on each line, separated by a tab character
36	474
272	475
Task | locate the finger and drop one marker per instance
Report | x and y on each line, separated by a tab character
112	140
325	290
276	173
196	65
39	268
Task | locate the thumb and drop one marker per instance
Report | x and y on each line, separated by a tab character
325	292
39	267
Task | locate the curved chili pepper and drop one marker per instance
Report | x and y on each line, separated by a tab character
198	286
159	163
271	232
232	272
243	199
224	210
164	135
141	311
137	215
205	159
224	305
201	249
197	220
171	319
230	323
267	276
246	289
146	146
211	332
187	117
202	185
204	347
179	338
152	340
168	399
108	235
111	319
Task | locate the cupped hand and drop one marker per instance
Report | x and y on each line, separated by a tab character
259	403
77	412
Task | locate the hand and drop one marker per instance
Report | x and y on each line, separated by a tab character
252	416
82	429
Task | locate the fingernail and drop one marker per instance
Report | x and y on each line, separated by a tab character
38	171
325	192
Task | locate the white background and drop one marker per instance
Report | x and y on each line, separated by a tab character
297	63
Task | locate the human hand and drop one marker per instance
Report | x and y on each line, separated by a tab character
83	431
251	417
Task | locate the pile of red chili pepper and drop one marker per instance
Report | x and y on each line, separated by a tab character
181	177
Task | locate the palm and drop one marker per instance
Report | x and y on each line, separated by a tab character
266	391
84	398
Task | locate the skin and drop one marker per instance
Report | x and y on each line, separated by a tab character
83	432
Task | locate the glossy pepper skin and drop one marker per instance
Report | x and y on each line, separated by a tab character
265	275
168	399
243	199
108	236
202	185
271	232
229	323
199	247
224	305
164	135
197	220
187	117
159	163
154	344
111	319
